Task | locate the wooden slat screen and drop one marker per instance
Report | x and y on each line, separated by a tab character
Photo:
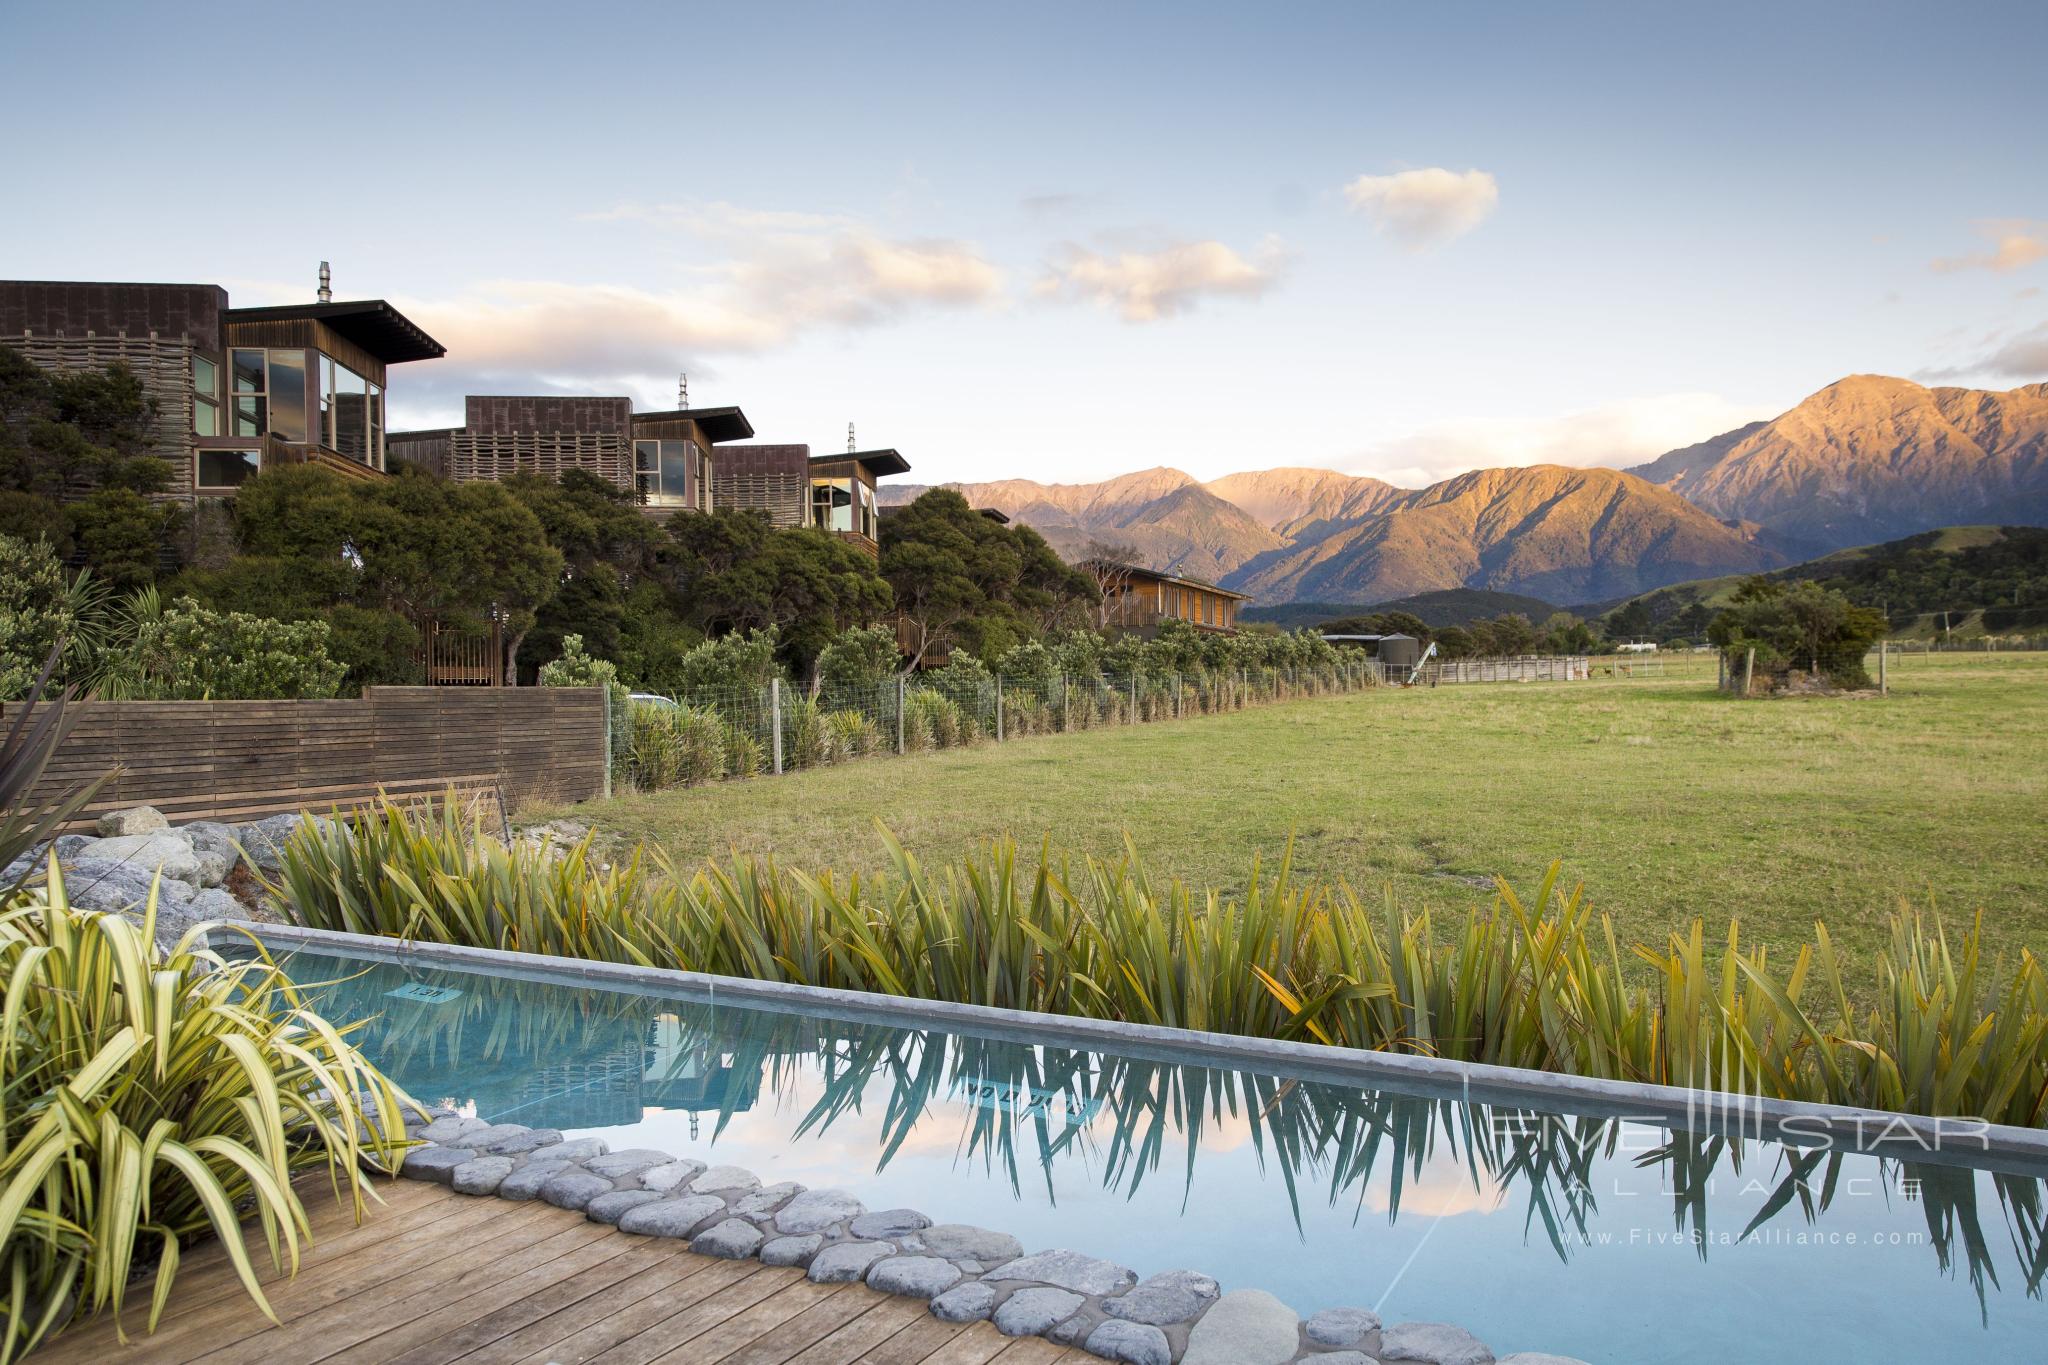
242	760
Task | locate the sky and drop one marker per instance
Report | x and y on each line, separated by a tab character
1063	242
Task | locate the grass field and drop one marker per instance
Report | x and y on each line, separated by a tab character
1666	799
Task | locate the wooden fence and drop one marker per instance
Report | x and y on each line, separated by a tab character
242	760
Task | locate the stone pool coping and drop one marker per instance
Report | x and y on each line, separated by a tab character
1949	1141
963	1273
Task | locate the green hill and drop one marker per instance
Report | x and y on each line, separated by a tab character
1986	579
1447	607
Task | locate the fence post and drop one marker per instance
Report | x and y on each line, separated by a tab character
899	715
608	740
1066	705
775	721
1134	696
999	710
1748	670
1883	683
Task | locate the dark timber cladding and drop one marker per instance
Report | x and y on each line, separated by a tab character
245	759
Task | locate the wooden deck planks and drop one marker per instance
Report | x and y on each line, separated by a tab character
433	1278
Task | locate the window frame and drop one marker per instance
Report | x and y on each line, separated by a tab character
201	487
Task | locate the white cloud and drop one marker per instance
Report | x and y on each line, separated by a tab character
2024	356
1615	435
1425	208
2015	243
1144	286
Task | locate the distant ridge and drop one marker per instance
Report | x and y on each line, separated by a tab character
1449	607
1866	459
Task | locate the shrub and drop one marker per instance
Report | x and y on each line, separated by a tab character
670	746
742	753
850	734
37	609
1538	985
805	743
186	652
1804	627
860	657
742	661
153	1095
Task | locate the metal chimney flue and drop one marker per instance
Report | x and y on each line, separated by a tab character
326	284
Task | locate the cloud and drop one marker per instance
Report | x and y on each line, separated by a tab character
2015	243
1426	208
1614	435
2024	356
772	276
1145	286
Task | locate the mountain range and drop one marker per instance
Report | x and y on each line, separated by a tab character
1867	458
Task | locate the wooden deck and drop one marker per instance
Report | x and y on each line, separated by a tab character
434	1277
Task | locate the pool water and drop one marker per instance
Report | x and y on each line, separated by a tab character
1615	1241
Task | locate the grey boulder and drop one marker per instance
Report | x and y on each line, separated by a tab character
673	1217
913	1277
970	1302
525	1182
572	1188
847	1261
612	1206
167	851
1068	1270
1352	1328
726	1180
134	820
1166	1298
1031	1312
888	1224
1435	1343
817	1211
1133	1343
619	1165
437	1164
766	1200
1244	1327
735	1239
481	1175
963	1242
791	1250
668	1177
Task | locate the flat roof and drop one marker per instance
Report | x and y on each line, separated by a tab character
876	462
372	324
1200	583
718	424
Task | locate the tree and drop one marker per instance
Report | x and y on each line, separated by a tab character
606	544
1629	620
187	652
737	572
37	609
965	580
861	657
1109	567
1801	626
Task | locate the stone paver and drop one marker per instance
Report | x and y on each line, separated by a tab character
1435	1343
1069	1270
1133	1343
673	1217
817	1211
1244	1327
791	1250
612	1206
573	1188
735	1239
970	1302
914	1277
481	1175
847	1261
1355	1328
1029	1312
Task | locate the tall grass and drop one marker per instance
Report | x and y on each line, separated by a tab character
147	1097
1538	982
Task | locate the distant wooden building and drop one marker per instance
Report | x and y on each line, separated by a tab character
234	389
1140	599
834	493
666	460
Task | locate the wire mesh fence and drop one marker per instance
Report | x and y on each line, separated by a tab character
711	734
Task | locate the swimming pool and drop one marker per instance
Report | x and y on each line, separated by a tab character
1610	1239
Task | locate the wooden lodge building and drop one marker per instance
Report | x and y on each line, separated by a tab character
666	460
834	493
1140	599
234	389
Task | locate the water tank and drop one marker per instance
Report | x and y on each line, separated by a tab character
1400	651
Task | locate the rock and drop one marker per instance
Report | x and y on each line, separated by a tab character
1068	1270
1244	1327
888	1224
123	889
619	1165
817	1211
573	1188
1437	1343
668	1177
437	1164
512	1139
167	852
481	1175
525	1181
962	1242
451	1127
263	841
1356	1328
970	1302
765	1200
610	1208
214	905
1166	1298
582	1149
1075	1329
134	820
791	1250
673	1217
1133	1343
735	1239
913	1277
214	867
726	1180
1534	1358
847	1262
210	836
1343	1358
1029	1312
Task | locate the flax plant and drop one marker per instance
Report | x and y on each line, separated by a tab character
1539	983
148	1097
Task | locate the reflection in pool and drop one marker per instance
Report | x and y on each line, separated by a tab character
1611	1240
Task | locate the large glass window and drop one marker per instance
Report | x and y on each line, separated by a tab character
661	472
373	443
205	397
227	468
867	509
350	403
251	412
704	481
832	504
288	395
